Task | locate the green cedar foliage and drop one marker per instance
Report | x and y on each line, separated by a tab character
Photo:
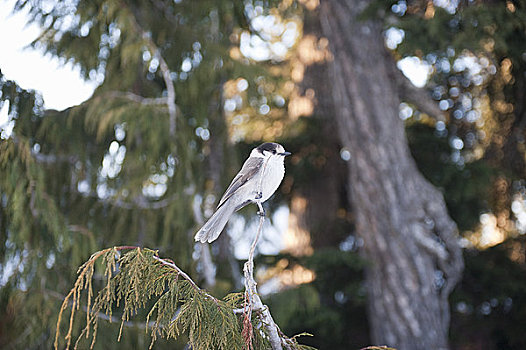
135	276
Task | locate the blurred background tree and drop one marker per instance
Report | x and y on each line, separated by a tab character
188	87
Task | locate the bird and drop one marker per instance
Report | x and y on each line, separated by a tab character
258	179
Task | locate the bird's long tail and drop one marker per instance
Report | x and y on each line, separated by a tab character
214	226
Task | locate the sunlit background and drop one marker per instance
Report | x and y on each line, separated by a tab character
274	38
62	86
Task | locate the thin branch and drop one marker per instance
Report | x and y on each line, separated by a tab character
248	269
117	320
53	158
101	315
141	202
44	158
81	229
183	274
170	89
165	71
255	302
170	263
137	98
416	96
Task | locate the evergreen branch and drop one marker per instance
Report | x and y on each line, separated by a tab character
133	278
83	280
137	98
142	202
101	315
53	158
165	70
171	264
139	201
44	158
170	89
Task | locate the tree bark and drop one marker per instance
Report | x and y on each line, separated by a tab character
409	239
324	194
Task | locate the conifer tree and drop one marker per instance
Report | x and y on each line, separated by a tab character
131	165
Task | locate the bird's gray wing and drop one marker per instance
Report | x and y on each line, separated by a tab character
248	171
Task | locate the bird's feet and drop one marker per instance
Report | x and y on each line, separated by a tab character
259	195
261	212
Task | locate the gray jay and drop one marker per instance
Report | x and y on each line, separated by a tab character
257	180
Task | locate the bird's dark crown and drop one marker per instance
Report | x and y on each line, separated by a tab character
267	146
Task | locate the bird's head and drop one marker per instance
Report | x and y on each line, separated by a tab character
270	149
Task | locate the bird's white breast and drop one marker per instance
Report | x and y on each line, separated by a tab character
274	172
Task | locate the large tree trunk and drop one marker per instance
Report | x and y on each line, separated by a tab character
410	241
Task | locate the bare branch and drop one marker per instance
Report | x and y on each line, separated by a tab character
416	96
255	302
447	231
141	202
170	89
137	98
165	70
80	229
53	158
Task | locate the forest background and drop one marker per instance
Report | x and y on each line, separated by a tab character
403	206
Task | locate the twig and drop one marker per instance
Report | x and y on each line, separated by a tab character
165	70
101	315
170	90
137	98
254	301
140	201
179	271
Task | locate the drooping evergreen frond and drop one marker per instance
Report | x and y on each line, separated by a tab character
137	276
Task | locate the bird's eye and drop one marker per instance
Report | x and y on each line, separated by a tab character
273	151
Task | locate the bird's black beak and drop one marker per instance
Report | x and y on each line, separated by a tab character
284	154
